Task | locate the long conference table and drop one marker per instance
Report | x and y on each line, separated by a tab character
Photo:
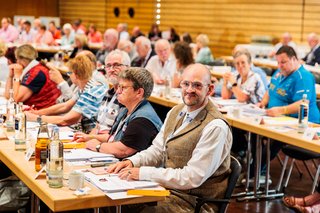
61	199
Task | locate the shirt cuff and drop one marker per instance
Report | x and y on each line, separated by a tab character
146	172
62	84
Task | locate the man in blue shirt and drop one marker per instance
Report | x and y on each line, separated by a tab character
287	86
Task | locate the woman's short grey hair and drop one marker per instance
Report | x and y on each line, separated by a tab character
140	77
125	59
243	52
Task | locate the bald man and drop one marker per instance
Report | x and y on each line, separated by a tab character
313	57
286	40
110	41
193	147
162	65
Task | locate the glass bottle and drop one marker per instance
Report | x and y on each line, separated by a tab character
11	106
41	146
20	130
54	164
303	114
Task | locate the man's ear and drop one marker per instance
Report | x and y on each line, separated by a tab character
210	90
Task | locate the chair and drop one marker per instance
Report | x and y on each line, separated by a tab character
297	153
223	203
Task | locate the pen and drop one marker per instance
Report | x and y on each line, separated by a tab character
100	164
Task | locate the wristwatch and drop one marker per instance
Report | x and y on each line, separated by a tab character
16	79
235	84
98	147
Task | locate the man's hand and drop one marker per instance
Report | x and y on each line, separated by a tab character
31	116
129	174
81	137
54	74
115	168
274	111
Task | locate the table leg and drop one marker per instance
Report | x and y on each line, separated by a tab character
96	210
118	209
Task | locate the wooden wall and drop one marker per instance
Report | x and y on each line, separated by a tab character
227	22
29	7
101	12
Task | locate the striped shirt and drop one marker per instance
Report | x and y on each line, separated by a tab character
88	103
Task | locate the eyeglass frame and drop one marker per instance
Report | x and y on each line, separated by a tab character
193	85
114	66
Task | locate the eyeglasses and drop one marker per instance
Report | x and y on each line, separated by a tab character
122	87
114	66
195	85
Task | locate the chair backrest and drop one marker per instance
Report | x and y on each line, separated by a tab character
235	167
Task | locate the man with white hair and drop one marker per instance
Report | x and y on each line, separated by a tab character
163	65
144	50
128	47
110	41
122	30
313	56
286	40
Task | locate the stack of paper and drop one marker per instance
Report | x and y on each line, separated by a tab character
85	154
112	183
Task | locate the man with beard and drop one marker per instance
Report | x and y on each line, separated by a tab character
193	148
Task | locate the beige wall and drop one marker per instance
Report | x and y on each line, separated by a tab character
227	22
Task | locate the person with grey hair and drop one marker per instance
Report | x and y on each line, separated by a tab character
144	50
137	123
128	47
115	62
110	41
313	57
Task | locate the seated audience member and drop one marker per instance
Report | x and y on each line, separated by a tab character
203	53
68	38
244	84
81	43
68	91
144	51
94	36
183	54
287	86
310	203
313	57
187	38
28	34
173	36
8	33
4	66
128	47
78	27
286	40
30	80
84	104
136	32
36	24
190	156
137	123
122	30
56	33
154	33
44	37
110	41
163	65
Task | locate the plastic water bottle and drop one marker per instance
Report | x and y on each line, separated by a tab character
303	114
55	161
11	107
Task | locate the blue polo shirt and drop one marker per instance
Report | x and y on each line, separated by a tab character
287	90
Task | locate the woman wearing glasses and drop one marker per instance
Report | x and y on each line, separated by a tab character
137	123
245	84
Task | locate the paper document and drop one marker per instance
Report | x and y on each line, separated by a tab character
112	183
282	120
83	154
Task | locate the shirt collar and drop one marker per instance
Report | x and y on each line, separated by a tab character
32	64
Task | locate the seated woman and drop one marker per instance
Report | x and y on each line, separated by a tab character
203	52
81	43
68	38
244	84
94	36
183	54
83	106
4	66
136	124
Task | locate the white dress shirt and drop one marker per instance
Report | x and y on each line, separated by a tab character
213	147
168	69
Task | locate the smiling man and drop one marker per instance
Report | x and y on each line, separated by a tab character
191	154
